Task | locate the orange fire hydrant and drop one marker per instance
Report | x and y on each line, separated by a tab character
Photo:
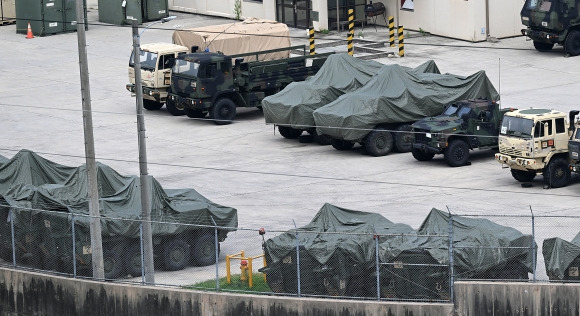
244	269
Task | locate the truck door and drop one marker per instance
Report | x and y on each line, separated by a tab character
484	129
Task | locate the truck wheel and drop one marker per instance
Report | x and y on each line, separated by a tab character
340	144
113	262
134	260
176	254
404	138
223	111
422	155
151	105
289	132
457	154
523	176
203	252
194	113
172	108
556	173
543	47
572	45
379	142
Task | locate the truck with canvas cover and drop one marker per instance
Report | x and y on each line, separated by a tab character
463	126
562	258
215	83
230	38
379	115
535	141
47	211
552	22
291	109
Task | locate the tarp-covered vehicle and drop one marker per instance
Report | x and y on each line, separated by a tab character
562	258
43	199
291	109
380	114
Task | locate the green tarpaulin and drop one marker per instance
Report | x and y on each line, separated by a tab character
395	96
561	258
340	74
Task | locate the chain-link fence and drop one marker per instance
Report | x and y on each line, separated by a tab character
409	265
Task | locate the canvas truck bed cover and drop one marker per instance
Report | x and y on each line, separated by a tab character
395	95
559	254
250	35
340	74
50	186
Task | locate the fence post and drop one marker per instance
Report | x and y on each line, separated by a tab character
297	258
11	214
391	31
533	241
311	38
451	280
377	266
74	246
141	249
217	253
350	32
401	42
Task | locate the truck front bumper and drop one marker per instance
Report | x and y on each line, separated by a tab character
149	93
427	148
189	103
543	36
519	163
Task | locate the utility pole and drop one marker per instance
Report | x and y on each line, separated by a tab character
91	166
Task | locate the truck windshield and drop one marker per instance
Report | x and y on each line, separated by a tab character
450	110
517	126
185	67
539	5
148	60
463	111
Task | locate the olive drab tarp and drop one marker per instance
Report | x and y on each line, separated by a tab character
340	74
395	95
250	35
559	255
3	160
30	183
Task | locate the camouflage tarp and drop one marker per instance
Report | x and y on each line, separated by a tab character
340	74
3	160
395	95
559	255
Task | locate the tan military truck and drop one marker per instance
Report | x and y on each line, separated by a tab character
535	141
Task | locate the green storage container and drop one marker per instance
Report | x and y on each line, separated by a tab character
47	17
155	10
120	12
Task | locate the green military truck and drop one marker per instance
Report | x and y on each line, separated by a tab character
574	148
464	125
553	22
214	83
536	141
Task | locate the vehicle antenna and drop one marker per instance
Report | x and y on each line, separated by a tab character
499	80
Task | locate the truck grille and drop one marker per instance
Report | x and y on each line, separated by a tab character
510	151
420	136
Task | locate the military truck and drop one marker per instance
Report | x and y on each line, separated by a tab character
535	141
215	83
155	74
464	125
552	22
574	149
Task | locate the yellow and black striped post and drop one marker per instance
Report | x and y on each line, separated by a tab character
350	31
311	37
401	44
392	31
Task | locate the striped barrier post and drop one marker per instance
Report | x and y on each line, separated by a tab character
350	31
311	38
392	31
401	43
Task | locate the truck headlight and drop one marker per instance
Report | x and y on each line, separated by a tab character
574	155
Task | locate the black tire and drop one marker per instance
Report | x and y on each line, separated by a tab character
404	138
223	111
457	154
172	108
151	105
322	139
194	113
543	47
113	262
556	173
422	155
133	261
176	254
289	132
340	144
203	250
379	142
523	176
572	45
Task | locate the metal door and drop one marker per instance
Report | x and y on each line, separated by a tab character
53	18
155	10
295	13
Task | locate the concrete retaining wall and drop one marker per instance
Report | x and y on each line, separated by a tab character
28	293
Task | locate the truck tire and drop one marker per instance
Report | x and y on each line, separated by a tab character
457	154
289	132
543	47
151	105
404	138
572	45
172	108
379	142
194	113
113	262
523	176
203	250
422	155
556	173
133	260
223	111
176	254
340	144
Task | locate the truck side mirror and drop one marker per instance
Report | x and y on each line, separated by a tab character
194	48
